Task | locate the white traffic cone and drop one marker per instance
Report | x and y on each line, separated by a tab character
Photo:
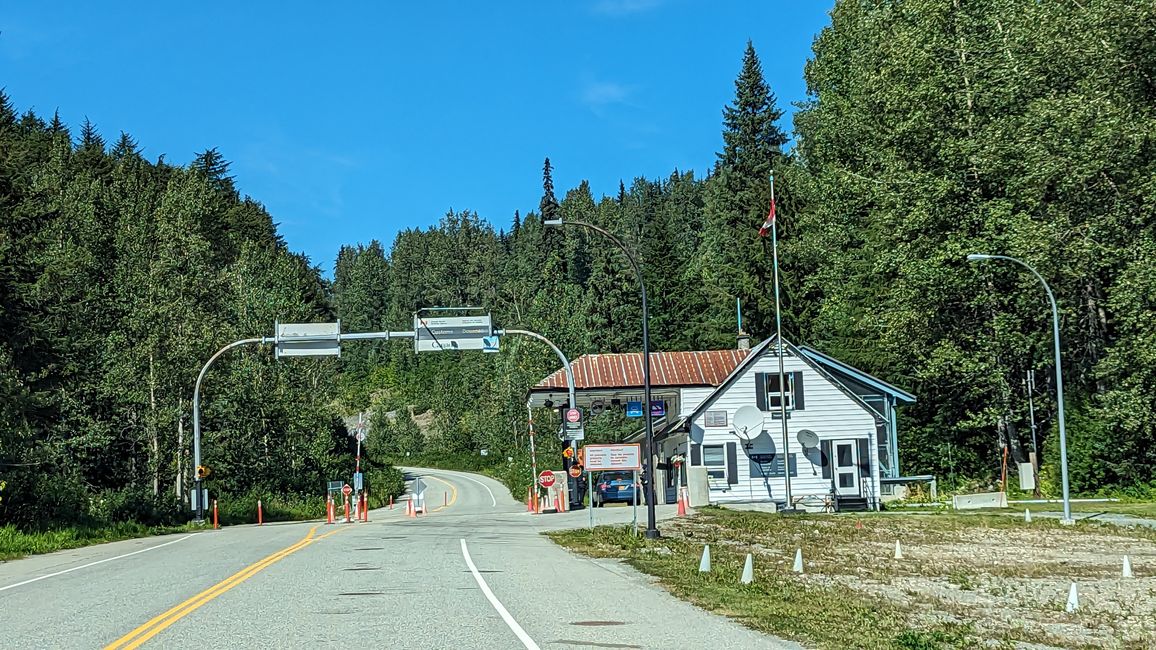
898	551
748	571
1073	599
1027	516
1127	567
704	563
798	568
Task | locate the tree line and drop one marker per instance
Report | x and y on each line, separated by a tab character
932	130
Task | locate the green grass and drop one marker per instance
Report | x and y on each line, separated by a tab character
854	595
15	544
1146	510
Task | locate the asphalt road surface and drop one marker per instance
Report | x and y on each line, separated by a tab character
472	573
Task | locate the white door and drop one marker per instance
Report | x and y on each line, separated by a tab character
846	468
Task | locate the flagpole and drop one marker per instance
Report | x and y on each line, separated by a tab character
779	342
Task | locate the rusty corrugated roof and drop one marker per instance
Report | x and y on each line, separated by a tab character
703	368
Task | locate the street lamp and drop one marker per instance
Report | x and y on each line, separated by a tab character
648	475
975	257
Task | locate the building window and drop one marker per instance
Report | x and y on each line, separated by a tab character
773	392
716	418
714	457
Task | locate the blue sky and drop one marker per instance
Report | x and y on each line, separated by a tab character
351	121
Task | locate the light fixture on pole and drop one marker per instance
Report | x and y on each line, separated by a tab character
978	257
648	476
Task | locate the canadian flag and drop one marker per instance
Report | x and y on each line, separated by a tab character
766	228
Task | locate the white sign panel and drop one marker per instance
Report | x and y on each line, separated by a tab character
613	457
308	339
453	333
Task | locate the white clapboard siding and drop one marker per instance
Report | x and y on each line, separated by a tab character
692	397
828	411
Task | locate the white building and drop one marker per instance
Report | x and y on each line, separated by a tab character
851	416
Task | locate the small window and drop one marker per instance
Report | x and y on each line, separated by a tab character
846	480
844	452
716	418
714	457
774	394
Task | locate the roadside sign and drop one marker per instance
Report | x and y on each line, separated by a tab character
574	434
361	435
346	490
657	409
568	452
575	471
634	409
546	479
453	333
613	457
334	486
308	340
573	416
358	482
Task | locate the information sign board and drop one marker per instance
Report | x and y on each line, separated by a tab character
613	457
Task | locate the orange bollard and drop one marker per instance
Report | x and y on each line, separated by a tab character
681	505
329	510
215	525
365	506
530	499
260	515
347	519
391	502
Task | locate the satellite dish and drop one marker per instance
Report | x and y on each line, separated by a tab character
809	439
748	420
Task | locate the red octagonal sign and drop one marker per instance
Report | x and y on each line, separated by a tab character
546	479
573	415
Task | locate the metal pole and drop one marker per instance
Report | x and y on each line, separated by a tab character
648	475
779	342
1059	378
1030	384
533	452
197	420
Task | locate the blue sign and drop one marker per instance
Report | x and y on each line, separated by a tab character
489	344
657	409
358	484
634	409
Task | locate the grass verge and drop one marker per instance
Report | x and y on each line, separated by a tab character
15	544
964	582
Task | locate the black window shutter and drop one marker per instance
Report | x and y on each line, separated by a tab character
798	381
696	455
732	463
864	457
761	390
825	450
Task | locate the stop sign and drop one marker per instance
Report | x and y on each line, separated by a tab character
546	478
573	416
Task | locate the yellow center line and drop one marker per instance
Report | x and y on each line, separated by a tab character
453	498
162	621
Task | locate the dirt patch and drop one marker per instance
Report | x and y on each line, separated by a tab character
1006	580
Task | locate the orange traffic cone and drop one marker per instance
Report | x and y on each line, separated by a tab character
681	505
409	509
858	524
529	499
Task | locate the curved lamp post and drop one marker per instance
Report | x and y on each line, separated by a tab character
1059	374
648	476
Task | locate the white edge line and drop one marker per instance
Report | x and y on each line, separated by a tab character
514	627
90	564
493	501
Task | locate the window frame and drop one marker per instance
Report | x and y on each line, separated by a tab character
720	467
772	396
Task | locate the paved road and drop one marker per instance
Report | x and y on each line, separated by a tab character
473	573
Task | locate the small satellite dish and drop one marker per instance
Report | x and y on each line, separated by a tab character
748	420
809	439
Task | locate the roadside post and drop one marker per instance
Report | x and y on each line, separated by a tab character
346	491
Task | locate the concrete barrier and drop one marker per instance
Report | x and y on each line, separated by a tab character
979	500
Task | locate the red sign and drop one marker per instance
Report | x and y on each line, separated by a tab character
568	452
575	471
546	479
347	490
573	416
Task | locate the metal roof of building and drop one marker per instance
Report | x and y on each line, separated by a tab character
592	371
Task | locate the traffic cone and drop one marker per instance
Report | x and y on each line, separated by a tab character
1127	573
748	571
529	499
858	524
704	563
410	510
329	510
1027	516
898	551
681	505
798	568
1073	599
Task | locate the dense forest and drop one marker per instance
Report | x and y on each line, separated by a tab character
932	130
